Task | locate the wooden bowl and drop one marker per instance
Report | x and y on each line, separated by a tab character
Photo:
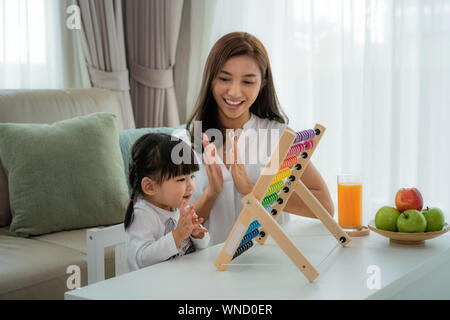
408	238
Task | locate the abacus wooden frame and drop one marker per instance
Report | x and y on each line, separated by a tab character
254	209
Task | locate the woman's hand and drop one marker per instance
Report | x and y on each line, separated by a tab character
185	223
240	178
213	169
198	232
206	201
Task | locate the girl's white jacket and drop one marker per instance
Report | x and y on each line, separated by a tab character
149	237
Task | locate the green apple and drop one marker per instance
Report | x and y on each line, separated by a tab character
435	219
386	218
411	221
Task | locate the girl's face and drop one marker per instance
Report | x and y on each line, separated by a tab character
235	89
171	193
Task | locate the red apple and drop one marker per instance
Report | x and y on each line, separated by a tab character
408	198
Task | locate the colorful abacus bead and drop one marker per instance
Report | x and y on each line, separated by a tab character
282	174
275	187
300	147
295	149
270	199
304	135
242	249
289	162
270	210
249	236
253	226
309	144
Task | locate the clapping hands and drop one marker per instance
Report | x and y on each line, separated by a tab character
189	224
213	170
240	178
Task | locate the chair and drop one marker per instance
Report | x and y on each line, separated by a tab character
97	240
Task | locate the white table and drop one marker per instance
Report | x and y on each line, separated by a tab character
265	272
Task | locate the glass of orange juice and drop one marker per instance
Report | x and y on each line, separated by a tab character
349	201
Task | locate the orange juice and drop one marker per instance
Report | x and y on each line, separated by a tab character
350	204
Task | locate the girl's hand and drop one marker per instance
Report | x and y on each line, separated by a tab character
198	232
185	223
213	170
240	178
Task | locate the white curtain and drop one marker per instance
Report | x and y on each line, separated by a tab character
376	73
37	50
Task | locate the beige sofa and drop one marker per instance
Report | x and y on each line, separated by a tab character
37	267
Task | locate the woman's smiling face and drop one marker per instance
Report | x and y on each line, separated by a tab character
235	88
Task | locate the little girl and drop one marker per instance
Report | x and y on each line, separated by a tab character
156	229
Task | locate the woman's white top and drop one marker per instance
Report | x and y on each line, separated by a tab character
149	237
258	139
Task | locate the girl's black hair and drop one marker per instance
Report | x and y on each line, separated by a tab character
151	156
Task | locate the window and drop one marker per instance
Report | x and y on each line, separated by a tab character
37	51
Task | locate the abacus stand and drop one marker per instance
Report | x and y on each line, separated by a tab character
254	209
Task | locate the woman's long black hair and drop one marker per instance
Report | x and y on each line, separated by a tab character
151	156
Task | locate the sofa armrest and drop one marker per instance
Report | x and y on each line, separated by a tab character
97	240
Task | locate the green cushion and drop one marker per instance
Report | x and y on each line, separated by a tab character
64	176
128	137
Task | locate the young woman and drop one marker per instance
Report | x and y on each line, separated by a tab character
238	94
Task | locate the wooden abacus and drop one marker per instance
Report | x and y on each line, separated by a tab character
257	218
